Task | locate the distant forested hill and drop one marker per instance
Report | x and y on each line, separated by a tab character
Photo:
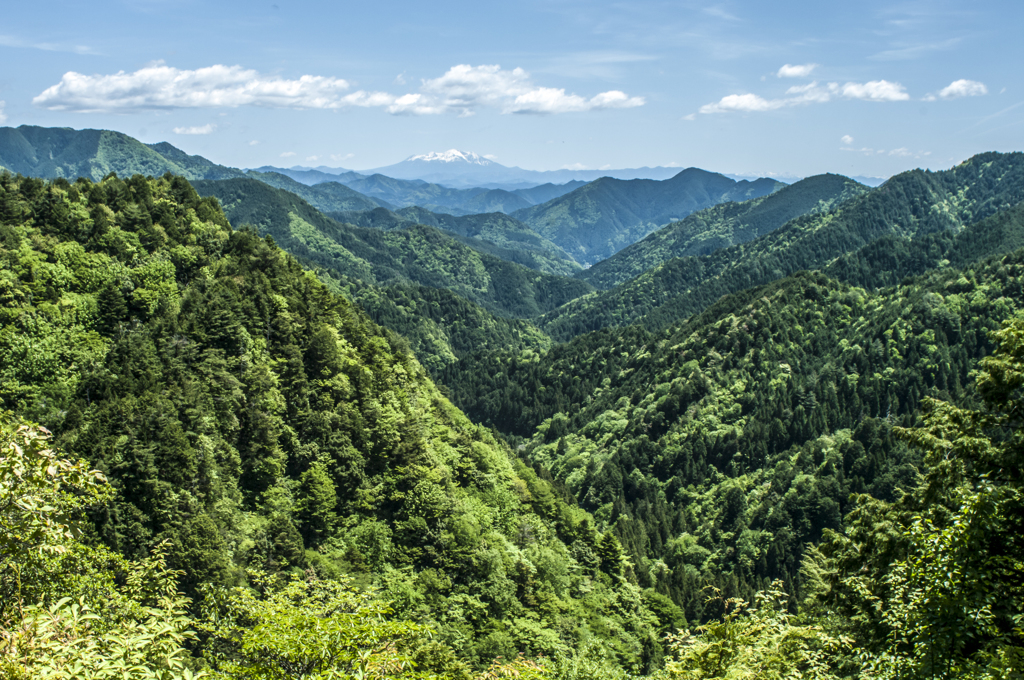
911	205
723	225
63	152
418	254
516	241
600	218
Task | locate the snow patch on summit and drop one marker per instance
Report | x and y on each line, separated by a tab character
451	156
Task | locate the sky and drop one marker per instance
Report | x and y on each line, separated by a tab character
791	88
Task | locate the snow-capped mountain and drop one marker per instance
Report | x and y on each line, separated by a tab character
456	168
451	156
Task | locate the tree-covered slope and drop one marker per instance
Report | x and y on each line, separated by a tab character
498	229
598	219
720	448
723	225
325	196
250	418
64	152
418	254
911	205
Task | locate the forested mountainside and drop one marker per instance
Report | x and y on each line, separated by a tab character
723	225
600	218
419	254
911	205
516	241
722	448
778	473
63	152
246	417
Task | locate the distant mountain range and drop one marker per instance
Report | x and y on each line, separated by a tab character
723	225
462	169
585	221
600	218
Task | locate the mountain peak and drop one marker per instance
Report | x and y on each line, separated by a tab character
451	156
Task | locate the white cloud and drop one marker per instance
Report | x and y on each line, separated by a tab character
158	86
195	129
490	157
847	140
902	151
811	93
875	91
463	89
742	102
3	116
963	88
337	157
795	70
254	142
287	154
312	158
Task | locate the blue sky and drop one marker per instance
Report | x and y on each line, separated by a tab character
869	88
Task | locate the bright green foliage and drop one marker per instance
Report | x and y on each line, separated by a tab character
39	492
303	629
764	642
251	418
78	640
957	599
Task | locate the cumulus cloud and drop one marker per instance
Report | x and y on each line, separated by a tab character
195	129
3	116
876	91
847	140
811	93
287	154
963	88
742	102
162	87
254	142
462	90
795	70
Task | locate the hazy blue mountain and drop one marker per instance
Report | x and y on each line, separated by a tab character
598	219
312	176
466	169
64	152
542	193
723	225
326	196
403	192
